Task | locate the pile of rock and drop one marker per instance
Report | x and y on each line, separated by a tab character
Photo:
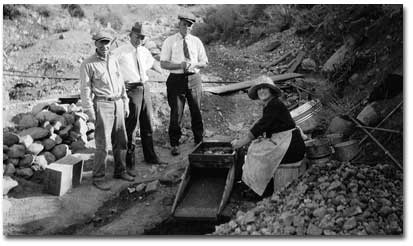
335	198
49	132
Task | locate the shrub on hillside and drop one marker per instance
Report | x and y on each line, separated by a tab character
225	23
109	18
43	10
247	22
74	10
205	32
11	11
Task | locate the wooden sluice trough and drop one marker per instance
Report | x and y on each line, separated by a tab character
207	182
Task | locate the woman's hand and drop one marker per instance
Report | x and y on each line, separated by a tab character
126	109
236	144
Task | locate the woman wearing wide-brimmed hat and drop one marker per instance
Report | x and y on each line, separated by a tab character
282	142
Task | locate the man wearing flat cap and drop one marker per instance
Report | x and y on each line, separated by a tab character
105	101
134	60
183	55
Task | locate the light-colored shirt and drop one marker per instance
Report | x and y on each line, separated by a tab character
100	77
128	57
173	51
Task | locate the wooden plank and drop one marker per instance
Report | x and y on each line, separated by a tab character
203	195
279	59
272	46
228	188
181	189
249	83
297	62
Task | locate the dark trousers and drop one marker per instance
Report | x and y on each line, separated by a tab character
180	89
140	108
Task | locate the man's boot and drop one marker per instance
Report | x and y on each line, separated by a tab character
130	161
149	151
120	172
101	185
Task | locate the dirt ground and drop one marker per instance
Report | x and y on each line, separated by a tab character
29	211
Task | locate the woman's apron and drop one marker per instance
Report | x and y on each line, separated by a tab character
263	158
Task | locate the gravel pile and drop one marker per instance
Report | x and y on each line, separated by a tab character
335	198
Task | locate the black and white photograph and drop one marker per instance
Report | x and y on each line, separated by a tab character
255	120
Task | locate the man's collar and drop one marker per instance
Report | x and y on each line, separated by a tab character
182	37
102	57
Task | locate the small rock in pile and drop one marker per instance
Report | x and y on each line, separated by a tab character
44	136
335	198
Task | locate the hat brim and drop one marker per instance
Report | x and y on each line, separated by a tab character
138	33
102	39
192	21
252	92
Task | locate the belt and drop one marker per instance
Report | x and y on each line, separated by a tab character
109	99
134	85
182	74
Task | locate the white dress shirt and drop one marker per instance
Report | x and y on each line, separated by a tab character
173	51
128	57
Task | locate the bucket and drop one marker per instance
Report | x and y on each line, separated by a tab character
305	115
288	172
346	151
340	125
335	138
368	115
320	161
317	148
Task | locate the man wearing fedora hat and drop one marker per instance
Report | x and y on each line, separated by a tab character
135	60
105	101
183	55
282	142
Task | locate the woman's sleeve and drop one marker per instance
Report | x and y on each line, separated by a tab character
266	121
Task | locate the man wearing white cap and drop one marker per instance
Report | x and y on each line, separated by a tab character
183	55
105	101
134	60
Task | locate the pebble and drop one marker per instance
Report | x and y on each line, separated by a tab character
351	211
334	185
385	210
326	222
26	140
249	217
372	228
350	223
329	233
287	218
314	230
152	186
35	148
16	151
10	138
320	212
10	170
